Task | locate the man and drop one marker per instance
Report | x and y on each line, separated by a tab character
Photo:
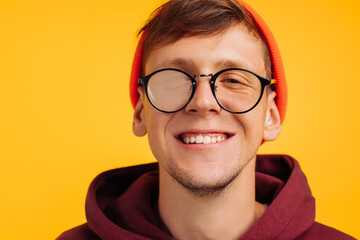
208	88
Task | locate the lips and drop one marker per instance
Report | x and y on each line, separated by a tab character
203	138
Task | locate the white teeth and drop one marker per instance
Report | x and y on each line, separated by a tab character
207	140
203	139
199	139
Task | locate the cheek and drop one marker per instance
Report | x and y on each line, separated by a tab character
253	123
157	124
156	138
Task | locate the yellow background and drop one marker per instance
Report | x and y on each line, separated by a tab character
65	114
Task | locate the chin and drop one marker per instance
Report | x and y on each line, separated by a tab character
205	181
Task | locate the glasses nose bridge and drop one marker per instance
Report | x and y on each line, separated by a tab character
201	91
203	75
211	82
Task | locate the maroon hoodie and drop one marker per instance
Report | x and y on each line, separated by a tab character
121	204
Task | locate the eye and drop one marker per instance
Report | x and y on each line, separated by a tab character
234	83
236	80
231	80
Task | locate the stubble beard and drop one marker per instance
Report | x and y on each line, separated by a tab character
202	188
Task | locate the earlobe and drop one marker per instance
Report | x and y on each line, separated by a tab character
139	123
272	120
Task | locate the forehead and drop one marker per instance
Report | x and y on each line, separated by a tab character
235	47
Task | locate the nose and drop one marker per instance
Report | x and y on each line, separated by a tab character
203	101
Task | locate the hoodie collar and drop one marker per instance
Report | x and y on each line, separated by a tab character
121	203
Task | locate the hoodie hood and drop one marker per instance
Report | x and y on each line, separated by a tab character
121	203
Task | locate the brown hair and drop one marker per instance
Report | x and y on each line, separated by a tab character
178	18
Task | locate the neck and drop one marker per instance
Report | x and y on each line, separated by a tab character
190	216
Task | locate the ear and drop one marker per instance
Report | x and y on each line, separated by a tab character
272	120
139	123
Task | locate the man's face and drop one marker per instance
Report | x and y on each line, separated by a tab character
199	166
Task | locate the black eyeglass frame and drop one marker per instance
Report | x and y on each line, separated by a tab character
143	81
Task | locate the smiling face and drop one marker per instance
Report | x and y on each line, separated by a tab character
204	147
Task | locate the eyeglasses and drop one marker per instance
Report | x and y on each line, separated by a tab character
236	90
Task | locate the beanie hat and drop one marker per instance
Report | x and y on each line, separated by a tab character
277	66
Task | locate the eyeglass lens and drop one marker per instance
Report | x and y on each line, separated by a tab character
169	90
235	90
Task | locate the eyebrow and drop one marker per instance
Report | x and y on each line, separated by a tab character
230	63
187	64
177	63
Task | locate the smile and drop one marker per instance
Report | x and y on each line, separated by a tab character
195	138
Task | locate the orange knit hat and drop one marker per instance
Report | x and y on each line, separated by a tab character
277	66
